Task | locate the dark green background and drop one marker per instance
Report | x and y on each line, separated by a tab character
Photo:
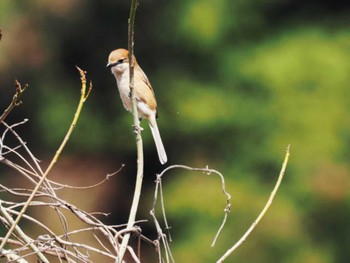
236	82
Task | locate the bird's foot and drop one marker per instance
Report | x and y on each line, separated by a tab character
137	129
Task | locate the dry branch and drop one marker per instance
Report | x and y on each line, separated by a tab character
264	210
162	238
58	245
33	172
16	99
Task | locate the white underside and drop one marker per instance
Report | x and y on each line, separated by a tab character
142	109
124	92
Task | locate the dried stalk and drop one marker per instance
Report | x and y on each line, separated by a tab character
263	212
83	98
159	192
16	99
138	137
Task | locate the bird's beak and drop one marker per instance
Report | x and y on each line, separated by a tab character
110	64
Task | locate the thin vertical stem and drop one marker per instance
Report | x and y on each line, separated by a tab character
138	137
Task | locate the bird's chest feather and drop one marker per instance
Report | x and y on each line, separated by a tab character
124	90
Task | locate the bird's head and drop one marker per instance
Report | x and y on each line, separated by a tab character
118	61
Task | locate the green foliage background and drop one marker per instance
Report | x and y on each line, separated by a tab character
236	82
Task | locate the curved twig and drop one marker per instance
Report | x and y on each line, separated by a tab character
262	213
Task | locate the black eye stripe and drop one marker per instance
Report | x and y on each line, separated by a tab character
112	64
120	61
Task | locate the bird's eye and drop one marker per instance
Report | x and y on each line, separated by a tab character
121	60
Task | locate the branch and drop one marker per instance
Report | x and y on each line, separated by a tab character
11	257
159	191
83	98
138	137
262	213
16	100
19	231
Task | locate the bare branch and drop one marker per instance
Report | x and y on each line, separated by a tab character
54	160
16	99
22	234
108	176
262	213
159	192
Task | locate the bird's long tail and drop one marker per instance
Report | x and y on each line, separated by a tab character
158	141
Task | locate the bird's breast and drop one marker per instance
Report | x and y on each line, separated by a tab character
124	89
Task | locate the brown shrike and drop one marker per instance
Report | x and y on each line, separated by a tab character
118	62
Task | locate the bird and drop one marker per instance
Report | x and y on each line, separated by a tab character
118	62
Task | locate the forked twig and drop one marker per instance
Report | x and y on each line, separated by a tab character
16	99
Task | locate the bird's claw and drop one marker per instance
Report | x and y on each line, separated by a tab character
137	129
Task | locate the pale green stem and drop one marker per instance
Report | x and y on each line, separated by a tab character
262	213
137	130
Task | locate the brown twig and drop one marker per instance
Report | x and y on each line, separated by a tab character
16	99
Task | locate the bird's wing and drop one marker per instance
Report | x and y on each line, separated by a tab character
145	92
